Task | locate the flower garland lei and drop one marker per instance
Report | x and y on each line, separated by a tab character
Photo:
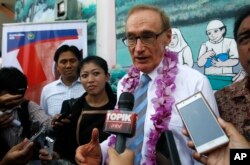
162	102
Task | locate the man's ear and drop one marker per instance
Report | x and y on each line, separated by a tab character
56	67
168	36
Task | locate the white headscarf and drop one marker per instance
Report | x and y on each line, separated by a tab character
181	44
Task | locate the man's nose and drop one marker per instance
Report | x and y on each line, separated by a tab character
68	64
139	45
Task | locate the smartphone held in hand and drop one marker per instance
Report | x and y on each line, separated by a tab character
37	135
201	123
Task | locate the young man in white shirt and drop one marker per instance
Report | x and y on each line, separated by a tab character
68	85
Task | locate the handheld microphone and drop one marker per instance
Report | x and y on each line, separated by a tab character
122	122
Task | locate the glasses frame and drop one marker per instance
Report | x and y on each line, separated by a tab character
156	35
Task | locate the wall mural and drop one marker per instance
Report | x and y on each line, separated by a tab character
202	31
218	55
202	35
178	44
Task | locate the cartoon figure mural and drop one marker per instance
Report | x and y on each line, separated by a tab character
218	55
179	45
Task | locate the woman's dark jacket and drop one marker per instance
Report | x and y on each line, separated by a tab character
66	136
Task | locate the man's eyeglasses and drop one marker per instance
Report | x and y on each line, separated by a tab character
146	38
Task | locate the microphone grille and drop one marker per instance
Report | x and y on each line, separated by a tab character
126	100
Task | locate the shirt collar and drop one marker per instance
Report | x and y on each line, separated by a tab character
154	73
60	82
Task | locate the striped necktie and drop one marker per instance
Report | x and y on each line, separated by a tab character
135	143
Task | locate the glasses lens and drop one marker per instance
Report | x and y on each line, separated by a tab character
131	40
148	38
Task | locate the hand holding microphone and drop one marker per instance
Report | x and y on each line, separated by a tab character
125	158
5	119
123	122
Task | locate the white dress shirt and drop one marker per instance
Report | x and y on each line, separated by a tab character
188	81
54	93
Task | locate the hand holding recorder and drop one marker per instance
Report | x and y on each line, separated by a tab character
8	101
19	154
60	119
45	156
64	116
6	119
221	154
201	123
